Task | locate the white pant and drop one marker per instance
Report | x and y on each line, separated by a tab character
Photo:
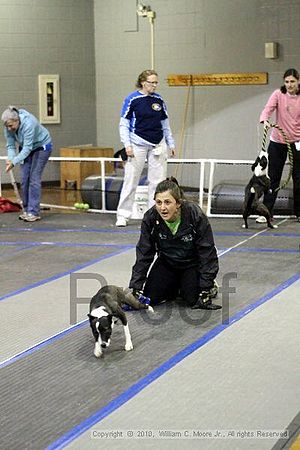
157	172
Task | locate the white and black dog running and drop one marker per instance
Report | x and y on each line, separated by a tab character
257	186
104	307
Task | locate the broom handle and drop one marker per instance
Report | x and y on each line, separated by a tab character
16	190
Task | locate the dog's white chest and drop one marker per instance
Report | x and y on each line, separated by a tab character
260	167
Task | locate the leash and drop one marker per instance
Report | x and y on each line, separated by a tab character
290	153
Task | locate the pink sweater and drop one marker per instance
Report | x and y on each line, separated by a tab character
287	109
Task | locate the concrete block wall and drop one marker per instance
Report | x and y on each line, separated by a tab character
50	37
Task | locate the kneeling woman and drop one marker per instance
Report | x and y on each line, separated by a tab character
179	234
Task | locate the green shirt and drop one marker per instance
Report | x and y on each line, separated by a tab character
173	226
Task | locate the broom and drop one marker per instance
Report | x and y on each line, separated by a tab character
16	190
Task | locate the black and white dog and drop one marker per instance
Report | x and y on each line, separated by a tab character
257	186
104	307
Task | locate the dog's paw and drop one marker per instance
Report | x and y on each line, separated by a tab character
275	226
150	309
98	353
97	350
128	347
243	226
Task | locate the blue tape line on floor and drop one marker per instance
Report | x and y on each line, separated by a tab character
42	344
156	373
64	244
71	230
127	231
63	274
265	250
126	246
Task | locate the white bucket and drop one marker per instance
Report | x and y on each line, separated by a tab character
140	204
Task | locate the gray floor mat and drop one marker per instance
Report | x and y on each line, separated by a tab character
48	392
53	389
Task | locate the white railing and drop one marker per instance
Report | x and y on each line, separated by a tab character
204	166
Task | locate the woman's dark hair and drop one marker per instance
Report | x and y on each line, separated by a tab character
143	77
290	73
170	184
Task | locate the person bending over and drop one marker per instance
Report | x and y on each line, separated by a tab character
179	235
23	130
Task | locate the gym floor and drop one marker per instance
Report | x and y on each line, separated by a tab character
224	379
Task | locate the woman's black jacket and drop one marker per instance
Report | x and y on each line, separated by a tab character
192	246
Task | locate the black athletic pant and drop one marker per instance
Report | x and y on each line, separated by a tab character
165	283
277	157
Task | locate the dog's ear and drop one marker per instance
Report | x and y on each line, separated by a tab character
263	162
92	318
256	162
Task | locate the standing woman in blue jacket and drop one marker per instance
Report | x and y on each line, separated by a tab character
24	133
145	133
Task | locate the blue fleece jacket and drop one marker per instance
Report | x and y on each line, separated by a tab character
29	136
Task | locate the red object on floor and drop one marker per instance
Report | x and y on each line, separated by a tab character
8	206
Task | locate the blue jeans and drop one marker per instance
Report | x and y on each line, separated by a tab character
31	173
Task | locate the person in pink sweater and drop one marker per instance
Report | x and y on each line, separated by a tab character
285	103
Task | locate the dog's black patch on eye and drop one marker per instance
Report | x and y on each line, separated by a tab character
263	162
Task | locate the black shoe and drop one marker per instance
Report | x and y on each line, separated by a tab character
213	292
211	306
204	302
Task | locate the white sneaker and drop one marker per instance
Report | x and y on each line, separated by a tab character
31	218
23	216
261	219
121	222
